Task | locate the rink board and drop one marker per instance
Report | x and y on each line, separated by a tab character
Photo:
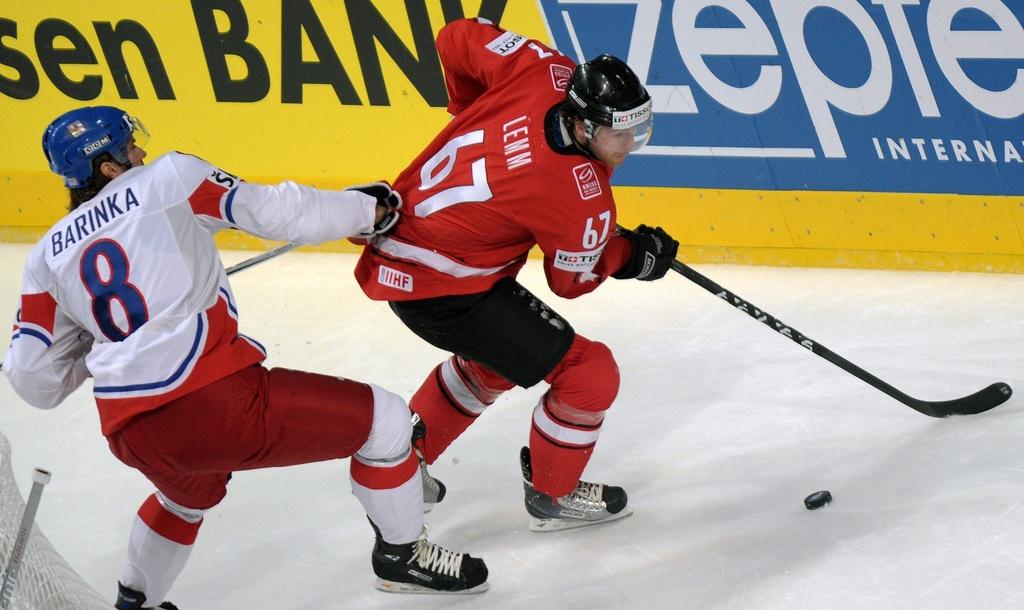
788	132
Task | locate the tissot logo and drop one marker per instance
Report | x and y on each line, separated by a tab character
577	262
506	44
819	94
629	118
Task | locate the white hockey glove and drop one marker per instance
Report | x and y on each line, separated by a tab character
388	199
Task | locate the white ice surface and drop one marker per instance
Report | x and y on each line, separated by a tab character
720	429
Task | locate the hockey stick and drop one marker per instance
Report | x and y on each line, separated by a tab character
982	400
259	258
40	478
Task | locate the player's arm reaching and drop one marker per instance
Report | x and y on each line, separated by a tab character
287	211
476	54
46	361
575	265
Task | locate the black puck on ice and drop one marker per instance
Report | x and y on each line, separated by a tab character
817	499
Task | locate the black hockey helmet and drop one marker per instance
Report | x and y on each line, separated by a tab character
605	92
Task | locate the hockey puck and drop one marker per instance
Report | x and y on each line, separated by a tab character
817	499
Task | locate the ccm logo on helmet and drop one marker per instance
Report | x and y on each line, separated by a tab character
93	146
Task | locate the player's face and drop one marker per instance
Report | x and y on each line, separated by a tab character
139	138
612	146
135	153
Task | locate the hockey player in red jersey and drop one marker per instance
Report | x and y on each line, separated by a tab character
525	161
128	289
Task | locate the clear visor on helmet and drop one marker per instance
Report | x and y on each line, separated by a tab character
642	132
139	132
630	129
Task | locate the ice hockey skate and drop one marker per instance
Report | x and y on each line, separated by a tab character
588	504
130	599
424	567
433	489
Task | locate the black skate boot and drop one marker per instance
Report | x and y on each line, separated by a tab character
130	599
424	567
588	504
433	489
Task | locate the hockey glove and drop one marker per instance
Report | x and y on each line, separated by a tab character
388	199
653	253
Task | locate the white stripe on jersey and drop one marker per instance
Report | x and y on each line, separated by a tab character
432	259
137	387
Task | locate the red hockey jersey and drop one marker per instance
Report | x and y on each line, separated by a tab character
489	187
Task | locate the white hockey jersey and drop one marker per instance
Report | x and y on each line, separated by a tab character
129	289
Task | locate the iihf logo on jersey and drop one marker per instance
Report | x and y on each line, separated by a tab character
394	278
586	180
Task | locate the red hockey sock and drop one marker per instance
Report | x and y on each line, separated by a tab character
559	451
567	422
451	399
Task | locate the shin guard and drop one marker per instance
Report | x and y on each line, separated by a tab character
161	540
385	472
567	421
449	401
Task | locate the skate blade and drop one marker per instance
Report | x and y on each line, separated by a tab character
389	586
556	525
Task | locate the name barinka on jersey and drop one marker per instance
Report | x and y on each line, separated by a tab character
92	219
129	288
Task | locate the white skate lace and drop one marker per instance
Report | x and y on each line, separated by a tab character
585	496
430	556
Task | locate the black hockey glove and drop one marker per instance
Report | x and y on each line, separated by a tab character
387	198
653	253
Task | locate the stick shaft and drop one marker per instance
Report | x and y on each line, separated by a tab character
983	400
259	258
20	543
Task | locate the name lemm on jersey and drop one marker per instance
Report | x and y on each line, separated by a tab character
91	218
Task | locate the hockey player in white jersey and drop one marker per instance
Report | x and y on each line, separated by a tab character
128	289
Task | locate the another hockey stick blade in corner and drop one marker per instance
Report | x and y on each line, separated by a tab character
982	400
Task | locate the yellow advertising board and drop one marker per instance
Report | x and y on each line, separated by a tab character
328	93
337	92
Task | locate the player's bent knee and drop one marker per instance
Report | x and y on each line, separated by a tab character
391	430
589	379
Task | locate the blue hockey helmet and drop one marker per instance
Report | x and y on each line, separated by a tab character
75	138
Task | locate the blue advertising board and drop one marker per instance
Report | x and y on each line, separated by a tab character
918	96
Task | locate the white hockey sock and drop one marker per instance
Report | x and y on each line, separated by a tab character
392	497
160	543
385	472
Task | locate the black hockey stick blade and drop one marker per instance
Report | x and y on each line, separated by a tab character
982	400
979	402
